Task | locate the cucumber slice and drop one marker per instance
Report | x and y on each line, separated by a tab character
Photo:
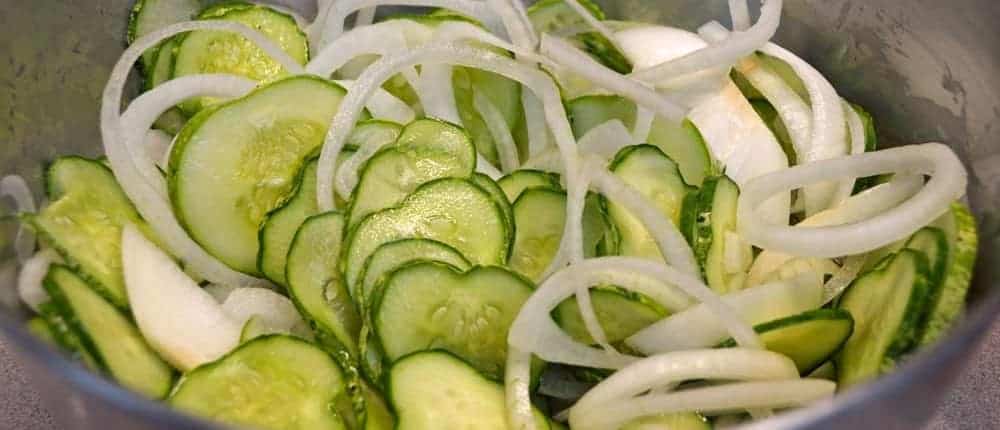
435	390
679	421
230	53
505	95
551	16
108	335
540	217
708	222
933	242
280	226
315	285
683	143
500	198
237	162
604	51
426	150
809	339
386	259
162	66
377	414
888	306
64	336
431	305
452	211
948	301
519	180
150	15
650	172
272	382
620	314
393	255
84	222
41	330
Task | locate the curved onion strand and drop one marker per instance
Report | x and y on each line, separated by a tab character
947	184
724	54
739	11
29	279
347	175
333	20
858	140
150	205
499	130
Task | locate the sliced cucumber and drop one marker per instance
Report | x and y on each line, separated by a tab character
150	15
679	421
315	284
604	51
708	222
386	259
505	95
650	172
426	150
452	211
235	163
519	180
435	390
224	52
500	198
84	222
280	226
377	414
933	242
431	305
393	255
620	314
551	16
41	330
540	217
683	142
272	382
948	301
809	339
108	335
888	306
65	337
162	67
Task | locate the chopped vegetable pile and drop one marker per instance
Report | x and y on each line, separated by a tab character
486	216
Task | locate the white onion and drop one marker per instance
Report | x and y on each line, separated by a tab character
842	278
522	13
157	146
219	292
643	124
701	327
858	141
151	206
485	167
669	369
947	183
384	105
347	173
725	54
451	31
534	119
727	398
795	114
864	205
333	19
498	128
15	188
29	279
273	309
593	22
366	16
383	38
378	73
517	389
520	34
436	93
740	14
589	316
568	56
606	139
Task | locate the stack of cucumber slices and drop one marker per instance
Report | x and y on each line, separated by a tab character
487	217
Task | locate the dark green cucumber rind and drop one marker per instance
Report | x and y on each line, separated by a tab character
39	328
588	112
601	49
696	215
494	190
459	276
560	15
158	376
871	144
391	384
934	244
600	233
623	314
193	126
340	341
65	338
907	330
822	338
338	407
113	293
949	302
519	180
273	252
770	117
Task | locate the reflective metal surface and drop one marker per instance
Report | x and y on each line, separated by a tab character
927	69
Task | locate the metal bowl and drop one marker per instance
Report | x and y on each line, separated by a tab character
928	70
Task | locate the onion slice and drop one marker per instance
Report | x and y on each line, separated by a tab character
153	207
606	139
384	105
947	183
336	14
29	279
739	11
499	130
275	311
726	398
15	188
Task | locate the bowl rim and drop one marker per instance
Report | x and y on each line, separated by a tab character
962	338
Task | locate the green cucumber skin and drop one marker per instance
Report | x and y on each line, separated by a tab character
948	303
516	182
695	222
502	203
65	337
828	315
607	302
